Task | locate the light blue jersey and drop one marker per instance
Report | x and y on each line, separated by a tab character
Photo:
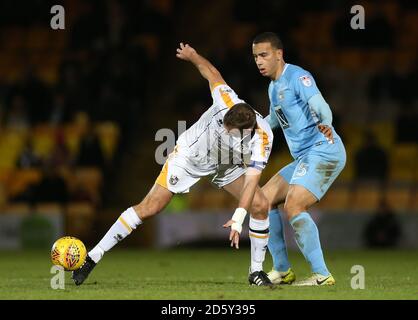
295	105
289	108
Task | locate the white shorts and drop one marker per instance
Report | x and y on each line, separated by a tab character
179	173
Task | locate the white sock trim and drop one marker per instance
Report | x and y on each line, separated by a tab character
256	224
131	218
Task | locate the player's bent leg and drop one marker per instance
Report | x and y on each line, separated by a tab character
259	234
298	200
173	178
276	190
155	201
258	231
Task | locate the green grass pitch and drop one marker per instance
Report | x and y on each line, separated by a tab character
206	274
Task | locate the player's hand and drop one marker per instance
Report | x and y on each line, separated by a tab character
185	52
233	235
327	132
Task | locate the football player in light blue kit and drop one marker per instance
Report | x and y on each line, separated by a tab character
297	106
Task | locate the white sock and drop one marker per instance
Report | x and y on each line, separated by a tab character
123	227
259	236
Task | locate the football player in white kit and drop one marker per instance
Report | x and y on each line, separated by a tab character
231	143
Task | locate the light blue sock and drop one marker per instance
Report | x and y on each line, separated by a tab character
277	244
307	238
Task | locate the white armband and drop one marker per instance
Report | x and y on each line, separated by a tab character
238	218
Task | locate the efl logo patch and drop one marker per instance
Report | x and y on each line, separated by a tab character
306	80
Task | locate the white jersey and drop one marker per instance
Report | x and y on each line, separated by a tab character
208	144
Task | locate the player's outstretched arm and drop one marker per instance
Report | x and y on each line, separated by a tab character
252	178
206	69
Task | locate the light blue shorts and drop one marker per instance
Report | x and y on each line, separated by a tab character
317	169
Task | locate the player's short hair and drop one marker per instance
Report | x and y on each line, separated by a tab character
269	37
241	116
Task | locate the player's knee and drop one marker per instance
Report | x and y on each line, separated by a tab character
292	208
260	207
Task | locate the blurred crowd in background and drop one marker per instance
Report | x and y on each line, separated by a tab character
79	107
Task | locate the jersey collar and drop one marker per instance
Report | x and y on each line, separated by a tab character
284	70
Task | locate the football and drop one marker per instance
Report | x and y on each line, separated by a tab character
68	252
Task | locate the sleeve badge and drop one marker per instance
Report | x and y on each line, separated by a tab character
306	80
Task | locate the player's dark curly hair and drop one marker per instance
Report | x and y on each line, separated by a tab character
241	116
269	37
